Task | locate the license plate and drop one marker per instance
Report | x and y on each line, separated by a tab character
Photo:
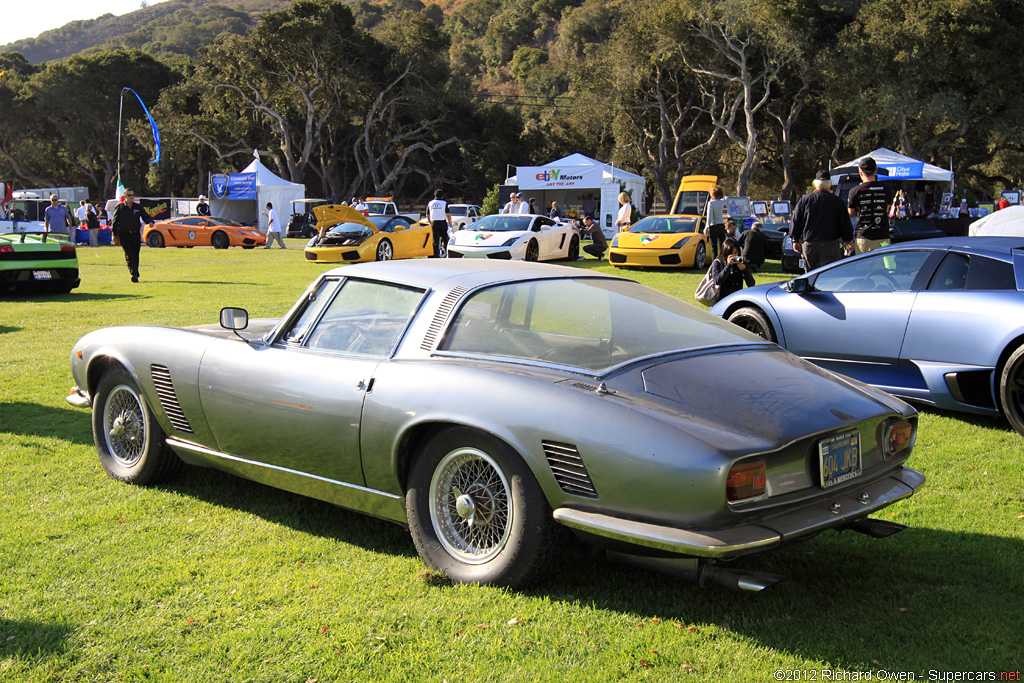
839	459
800	263
42	275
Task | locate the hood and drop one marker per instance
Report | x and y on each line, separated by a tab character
754	397
332	214
258	327
652	240
485	238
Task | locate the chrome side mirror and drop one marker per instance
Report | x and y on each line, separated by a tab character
234	318
799	285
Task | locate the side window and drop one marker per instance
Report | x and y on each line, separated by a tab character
314	304
951	275
989	273
365	318
191	222
893	271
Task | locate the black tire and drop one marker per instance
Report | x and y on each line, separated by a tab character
155	240
129	440
700	257
753	319
497	529
1011	390
220	240
385	252
574	249
532	251
248	246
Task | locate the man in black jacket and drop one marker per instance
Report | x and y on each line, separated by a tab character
752	244
127	225
820	221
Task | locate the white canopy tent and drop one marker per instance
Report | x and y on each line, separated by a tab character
1008	223
261	186
900	167
577	179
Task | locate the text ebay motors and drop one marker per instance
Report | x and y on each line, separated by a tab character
556	175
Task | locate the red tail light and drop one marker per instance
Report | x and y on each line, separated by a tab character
6	249
747	480
67	247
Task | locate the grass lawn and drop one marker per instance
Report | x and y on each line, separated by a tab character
212	578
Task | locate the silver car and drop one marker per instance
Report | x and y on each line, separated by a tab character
500	408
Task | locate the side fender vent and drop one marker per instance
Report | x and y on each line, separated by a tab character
168	399
570	472
443	311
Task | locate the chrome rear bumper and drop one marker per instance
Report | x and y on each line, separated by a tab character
760	534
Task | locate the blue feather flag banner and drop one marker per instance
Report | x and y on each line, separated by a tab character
156	131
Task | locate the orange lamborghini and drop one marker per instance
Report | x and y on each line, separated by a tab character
202	231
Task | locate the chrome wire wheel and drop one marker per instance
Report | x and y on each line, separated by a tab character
125	426
469	506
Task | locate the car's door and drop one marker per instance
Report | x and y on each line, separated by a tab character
297	403
187	230
549	238
855	317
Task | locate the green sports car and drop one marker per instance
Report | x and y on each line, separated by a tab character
31	261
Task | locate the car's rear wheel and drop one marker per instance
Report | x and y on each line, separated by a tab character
384	251
220	240
476	511
128	438
574	248
155	240
1011	389
532	251
700	257
754	320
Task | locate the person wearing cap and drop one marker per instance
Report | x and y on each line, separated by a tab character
202	208
820	221
869	203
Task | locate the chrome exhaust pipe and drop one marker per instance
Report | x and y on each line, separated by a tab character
702	571
876	528
740	579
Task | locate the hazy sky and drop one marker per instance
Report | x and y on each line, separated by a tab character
28	18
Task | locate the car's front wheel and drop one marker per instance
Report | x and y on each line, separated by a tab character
155	240
476	512
1011	389
532	251
128	438
219	240
700	257
754	320
574	249
384	251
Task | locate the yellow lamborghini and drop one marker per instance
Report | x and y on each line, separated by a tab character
661	242
346	235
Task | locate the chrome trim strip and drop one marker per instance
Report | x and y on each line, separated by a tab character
765	533
196	448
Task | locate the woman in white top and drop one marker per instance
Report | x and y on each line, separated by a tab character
714	226
625	217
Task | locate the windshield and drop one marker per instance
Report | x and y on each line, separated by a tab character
691	202
664	225
377	207
228	221
458	210
502	223
593	324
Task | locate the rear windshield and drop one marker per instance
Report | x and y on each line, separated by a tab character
587	323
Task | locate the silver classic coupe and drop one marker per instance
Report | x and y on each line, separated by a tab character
495	407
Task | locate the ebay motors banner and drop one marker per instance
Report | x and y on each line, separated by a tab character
553	177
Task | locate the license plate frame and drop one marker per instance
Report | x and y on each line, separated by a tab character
42	275
839	459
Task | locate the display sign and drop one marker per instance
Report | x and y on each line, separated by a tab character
911	170
219	186
781	208
759	208
241	186
1012	196
738	207
556	176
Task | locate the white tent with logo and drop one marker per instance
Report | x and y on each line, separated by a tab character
577	179
900	166
242	196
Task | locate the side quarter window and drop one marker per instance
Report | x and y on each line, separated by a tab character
315	302
990	273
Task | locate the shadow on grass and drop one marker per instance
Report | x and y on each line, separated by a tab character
199	282
4	329
47	422
32	639
301	513
73	297
984	421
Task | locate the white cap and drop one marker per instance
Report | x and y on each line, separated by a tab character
202	196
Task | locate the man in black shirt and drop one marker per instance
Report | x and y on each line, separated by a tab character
820	221
869	202
752	245
127	225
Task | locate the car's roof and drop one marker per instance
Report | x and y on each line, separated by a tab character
977	244
451	273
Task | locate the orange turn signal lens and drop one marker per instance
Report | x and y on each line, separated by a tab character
899	436
747	480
